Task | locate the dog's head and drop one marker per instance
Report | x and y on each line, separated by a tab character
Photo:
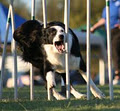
31	34
56	36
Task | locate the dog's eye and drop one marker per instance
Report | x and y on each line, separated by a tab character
62	30
52	31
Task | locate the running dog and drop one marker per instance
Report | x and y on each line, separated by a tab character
44	48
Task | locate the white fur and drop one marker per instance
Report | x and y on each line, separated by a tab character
58	59
50	77
57	95
76	94
60	31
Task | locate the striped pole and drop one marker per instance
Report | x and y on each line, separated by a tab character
109	49
66	22
14	51
4	52
88	48
45	25
31	67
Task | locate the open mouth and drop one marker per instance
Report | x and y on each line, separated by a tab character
60	46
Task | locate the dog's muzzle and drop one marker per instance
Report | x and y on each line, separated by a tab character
60	46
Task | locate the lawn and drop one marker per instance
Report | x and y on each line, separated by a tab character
40	102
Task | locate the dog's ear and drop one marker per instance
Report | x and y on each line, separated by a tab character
28	32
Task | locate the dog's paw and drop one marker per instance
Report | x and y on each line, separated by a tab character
78	95
57	95
97	93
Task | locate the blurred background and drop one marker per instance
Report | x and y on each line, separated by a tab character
55	9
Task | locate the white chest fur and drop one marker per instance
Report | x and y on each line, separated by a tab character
58	60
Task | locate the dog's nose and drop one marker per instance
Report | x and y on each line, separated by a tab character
61	36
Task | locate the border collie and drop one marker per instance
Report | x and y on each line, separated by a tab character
44	48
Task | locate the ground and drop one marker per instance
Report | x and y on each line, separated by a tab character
40	102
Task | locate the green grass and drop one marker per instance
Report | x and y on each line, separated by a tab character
40	102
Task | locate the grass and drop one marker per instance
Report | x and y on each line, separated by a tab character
40	102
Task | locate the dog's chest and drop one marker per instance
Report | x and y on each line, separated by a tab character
58	60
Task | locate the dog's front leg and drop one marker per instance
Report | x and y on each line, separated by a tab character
50	77
94	89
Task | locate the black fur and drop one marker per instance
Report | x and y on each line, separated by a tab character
30	38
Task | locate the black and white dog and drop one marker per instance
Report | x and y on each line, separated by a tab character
44	48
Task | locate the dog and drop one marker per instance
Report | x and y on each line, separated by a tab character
44	48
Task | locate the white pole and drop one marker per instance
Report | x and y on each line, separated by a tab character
88	48
31	67
109	50
33	10
45	25
4	52
14	52
66	22
31	83
44	13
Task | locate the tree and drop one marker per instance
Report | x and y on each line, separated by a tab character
55	10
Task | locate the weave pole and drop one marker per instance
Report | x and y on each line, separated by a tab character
44	13
66	22
4	52
14	52
31	67
109	50
45	25
88	49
